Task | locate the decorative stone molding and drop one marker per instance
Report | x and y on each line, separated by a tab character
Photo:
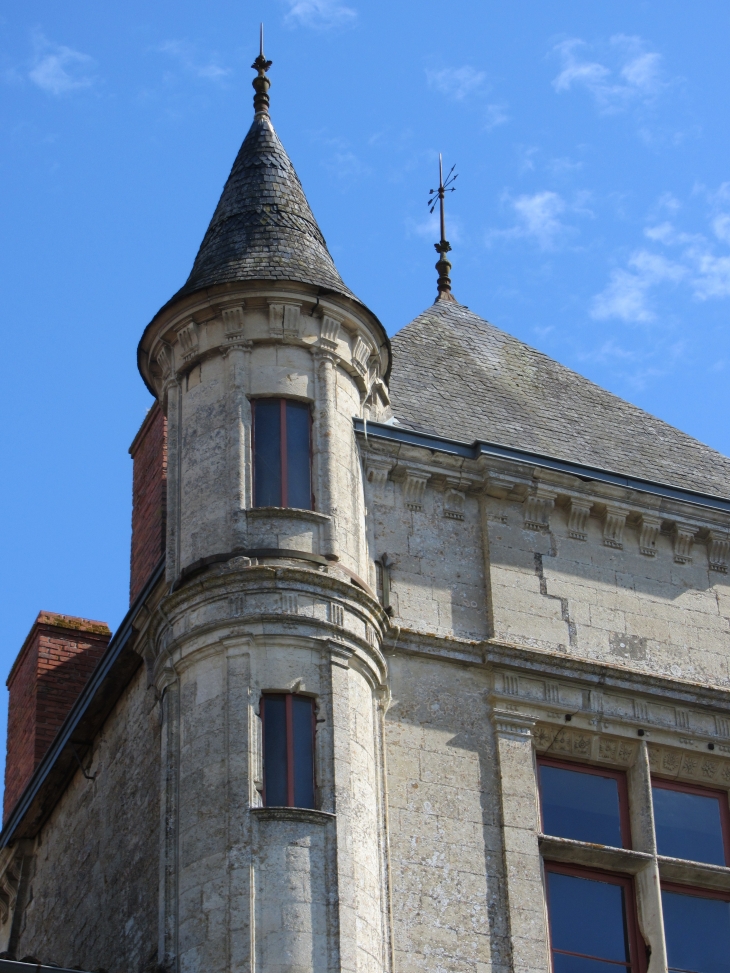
189	340
538	507
165	360
336	614
360	355
718	545
285	321
289	602
233	322
648	532
329	332
690	765
454	501
579	510
683	539
414	487
513	725
583	743
377	470
614	521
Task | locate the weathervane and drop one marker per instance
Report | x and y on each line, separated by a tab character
443	265
261	83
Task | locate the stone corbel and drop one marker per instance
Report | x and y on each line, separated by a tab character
579	510
189	338
377	470
285	321
649	528
538	507
684	536
454	499
360	355
718	546
329	332
166	361
614	521
233	322
414	487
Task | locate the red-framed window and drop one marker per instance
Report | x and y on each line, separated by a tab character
583	802
592	919
691	822
282	453
289	722
696	929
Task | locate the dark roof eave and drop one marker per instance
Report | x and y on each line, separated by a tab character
399	434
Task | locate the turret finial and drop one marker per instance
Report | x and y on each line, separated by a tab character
261	83
443	266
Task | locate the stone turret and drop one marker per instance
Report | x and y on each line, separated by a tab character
260	362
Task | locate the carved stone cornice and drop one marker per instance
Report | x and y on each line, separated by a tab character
538	507
718	546
579	510
649	528
614	521
683	537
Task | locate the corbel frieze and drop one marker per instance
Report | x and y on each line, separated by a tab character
329	332
189	338
718	545
285	321
233	322
454	499
376	471
413	482
614	521
579	510
649	528
683	536
538	507
360	355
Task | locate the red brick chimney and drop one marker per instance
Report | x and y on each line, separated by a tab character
149	498
52	668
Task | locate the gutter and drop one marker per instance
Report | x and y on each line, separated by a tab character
88	714
455	447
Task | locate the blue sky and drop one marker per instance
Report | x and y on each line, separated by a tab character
592	217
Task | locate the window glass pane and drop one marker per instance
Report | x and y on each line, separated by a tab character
275	751
580	806
297	455
303	752
697	932
688	826
579	964
587	916
267	452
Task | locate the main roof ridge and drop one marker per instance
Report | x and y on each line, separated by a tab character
456	374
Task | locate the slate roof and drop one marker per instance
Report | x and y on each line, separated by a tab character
263	228
456	375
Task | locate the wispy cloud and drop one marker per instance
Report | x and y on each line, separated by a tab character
466	82
319	14
695	262
627	294
541	218
58	70
635	76
189	60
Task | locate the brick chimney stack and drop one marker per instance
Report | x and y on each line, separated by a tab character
149	498
52	668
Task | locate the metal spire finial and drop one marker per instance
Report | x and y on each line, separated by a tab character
443	266
261	83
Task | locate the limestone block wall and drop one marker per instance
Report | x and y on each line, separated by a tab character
448	894
93	891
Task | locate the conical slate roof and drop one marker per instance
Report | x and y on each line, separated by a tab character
456	375
263	228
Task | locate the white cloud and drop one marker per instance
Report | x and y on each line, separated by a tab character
430	228
58	69
319	14
627	294
721	227
185	54
495	115
539	217
634	78
457	82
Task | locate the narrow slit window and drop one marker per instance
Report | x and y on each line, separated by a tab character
592	922
282	453
288	722
691	822
584	803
